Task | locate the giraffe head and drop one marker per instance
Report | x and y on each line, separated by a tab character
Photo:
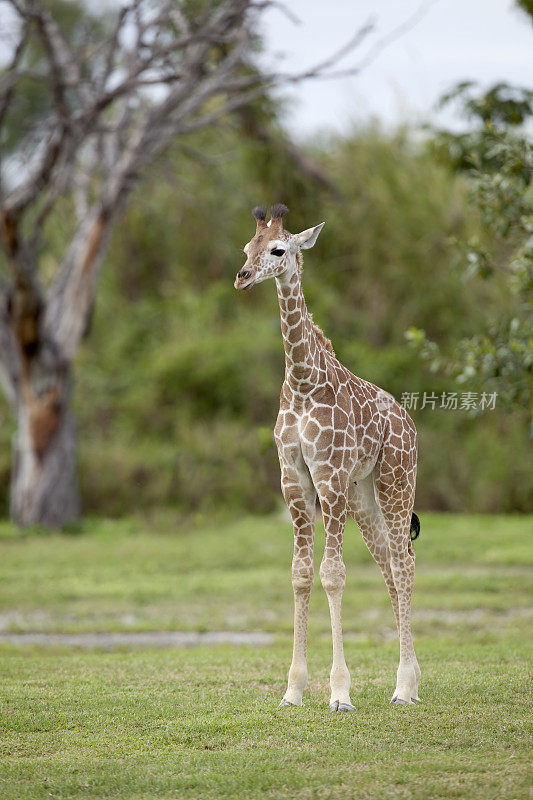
273	251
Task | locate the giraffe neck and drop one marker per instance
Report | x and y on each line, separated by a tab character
302	356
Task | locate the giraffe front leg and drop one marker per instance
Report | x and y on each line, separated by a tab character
333	577
302	580
300	496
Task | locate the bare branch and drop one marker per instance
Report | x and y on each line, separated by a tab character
9	362
62	182
379	45
322	67
59	52
157	75
39	179
11	74
280	7
71	297
113	45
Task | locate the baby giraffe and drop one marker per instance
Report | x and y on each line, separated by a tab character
350	444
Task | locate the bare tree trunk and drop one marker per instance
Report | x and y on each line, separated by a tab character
37	377
44	486
39	335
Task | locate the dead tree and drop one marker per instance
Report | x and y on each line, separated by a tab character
160	72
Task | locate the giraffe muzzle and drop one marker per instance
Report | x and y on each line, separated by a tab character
244	279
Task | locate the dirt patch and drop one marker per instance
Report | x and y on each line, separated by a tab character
109	641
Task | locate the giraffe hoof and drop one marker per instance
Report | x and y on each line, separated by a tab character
346	707
286	704
397	701
343	707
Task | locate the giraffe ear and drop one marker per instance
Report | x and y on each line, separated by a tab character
306	239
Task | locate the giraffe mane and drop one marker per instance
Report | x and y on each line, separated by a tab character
319	333
323	339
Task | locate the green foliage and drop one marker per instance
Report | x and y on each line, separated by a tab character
498	355
501	104
178	383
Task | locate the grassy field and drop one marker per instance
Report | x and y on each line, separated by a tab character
203	722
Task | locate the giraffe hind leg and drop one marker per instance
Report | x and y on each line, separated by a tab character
367	513
395	496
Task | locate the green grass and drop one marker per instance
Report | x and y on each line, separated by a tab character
203	722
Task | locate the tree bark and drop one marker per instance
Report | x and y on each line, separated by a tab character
39	336
37	379
44	487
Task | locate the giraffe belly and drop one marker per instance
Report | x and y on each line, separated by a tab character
363	468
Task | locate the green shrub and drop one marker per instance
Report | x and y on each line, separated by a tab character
178	384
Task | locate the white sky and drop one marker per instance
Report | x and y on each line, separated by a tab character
482	40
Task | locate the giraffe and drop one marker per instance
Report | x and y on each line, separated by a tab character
351	445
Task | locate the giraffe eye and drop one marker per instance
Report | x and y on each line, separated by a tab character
278	252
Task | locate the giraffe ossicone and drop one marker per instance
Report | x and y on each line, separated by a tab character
350	445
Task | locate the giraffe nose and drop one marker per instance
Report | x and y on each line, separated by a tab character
243	274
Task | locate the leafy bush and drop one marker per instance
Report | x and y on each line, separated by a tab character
178	383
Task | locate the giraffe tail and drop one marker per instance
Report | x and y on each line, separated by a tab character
415	527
